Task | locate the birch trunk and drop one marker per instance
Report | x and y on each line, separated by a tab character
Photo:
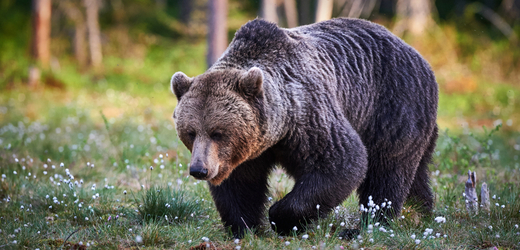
41	39
324	10
94	35
217	30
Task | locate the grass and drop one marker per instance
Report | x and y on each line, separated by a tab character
109	128
105	194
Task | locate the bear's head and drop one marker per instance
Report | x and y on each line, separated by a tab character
217	118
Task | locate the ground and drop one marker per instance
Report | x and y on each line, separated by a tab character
133	189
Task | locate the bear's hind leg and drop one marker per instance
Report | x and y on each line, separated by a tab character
241	198
421	192
387	184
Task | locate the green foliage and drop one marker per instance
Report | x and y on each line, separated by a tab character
171	205
460	153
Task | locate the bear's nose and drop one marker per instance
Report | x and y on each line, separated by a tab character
198	172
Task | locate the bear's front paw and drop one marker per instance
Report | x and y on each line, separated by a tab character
284	220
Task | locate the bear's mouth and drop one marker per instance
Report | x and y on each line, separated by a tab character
213	173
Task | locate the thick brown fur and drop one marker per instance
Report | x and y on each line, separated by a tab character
341	105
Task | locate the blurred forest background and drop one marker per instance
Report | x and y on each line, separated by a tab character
135	46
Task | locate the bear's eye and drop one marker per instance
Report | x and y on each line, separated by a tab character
192	135
216	136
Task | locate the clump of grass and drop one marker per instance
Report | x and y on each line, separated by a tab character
171	205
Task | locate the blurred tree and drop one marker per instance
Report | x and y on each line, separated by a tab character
269	10
217	30
74	13
41	38
193	14
291	13
413	16
324	10
94	35
511	9
41	31
357	8
305	13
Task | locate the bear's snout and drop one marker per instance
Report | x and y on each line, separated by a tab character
198	171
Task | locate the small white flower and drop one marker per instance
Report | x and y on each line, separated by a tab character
14	172
124	192
318	206
413	236
342	224
305	236
503	206
417	241
440	219
151	167
295	228
287	243
371	240
516	226
237	241
138	239
86	218
392	235
238	247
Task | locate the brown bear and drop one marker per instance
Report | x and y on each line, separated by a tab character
341	105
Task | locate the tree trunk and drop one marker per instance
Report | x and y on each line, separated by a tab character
414	15
74	13
291	14
304	10
269	10
217	30
94	35
324	10
41	39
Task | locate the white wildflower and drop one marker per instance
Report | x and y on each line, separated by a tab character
440	219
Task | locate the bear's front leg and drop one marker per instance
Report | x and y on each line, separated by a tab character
324	177
314	195
241	199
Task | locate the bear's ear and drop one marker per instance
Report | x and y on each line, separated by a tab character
250	82
180	84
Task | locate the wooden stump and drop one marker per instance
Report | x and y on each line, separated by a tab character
484	197
471	193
